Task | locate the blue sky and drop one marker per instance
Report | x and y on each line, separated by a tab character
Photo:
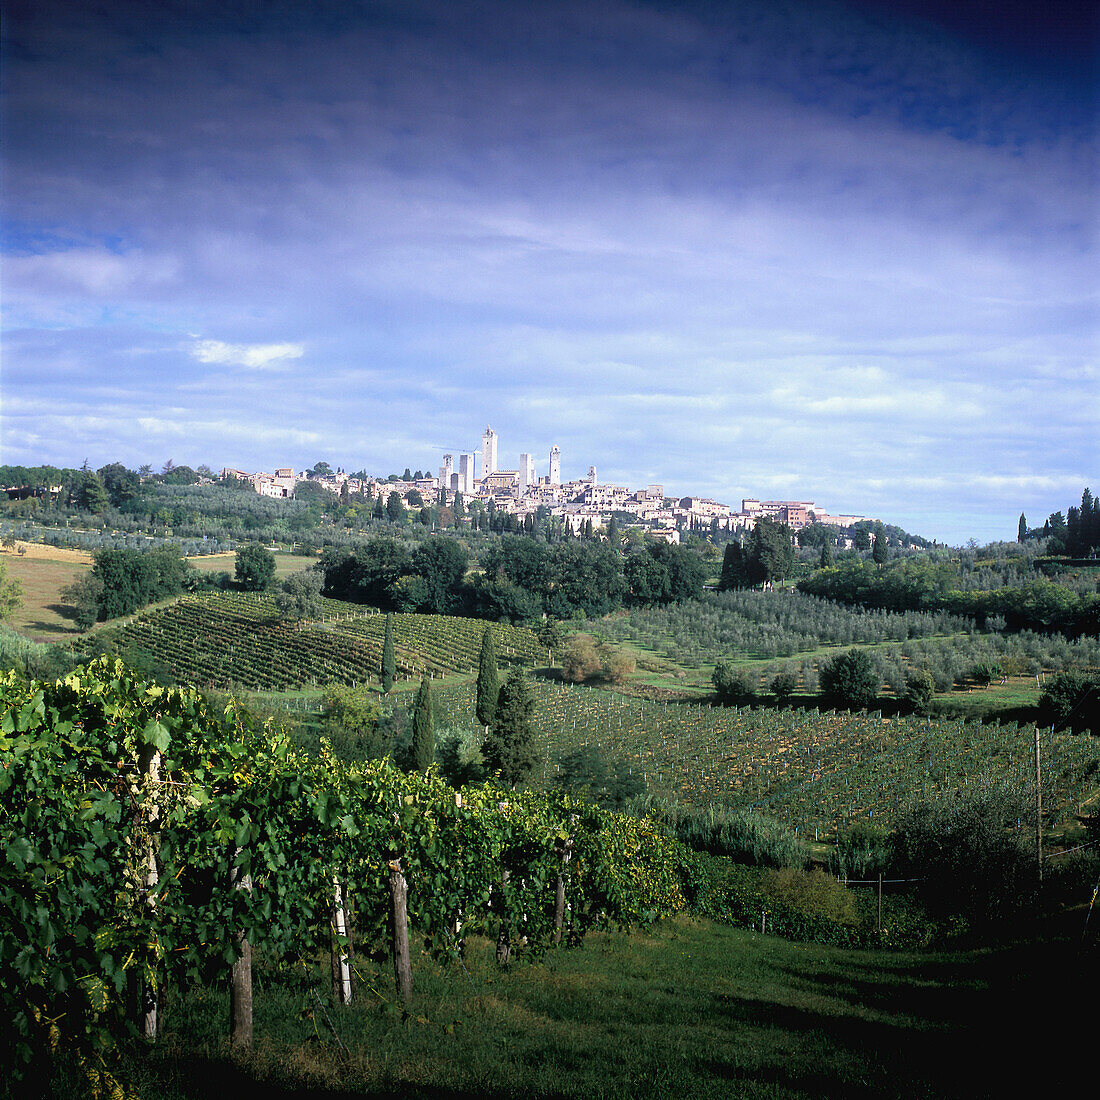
840	251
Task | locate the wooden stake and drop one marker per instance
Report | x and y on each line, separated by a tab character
399	932
240	981
1039	806
504	942
341	969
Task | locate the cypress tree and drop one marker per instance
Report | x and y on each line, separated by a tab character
423	731
879	552
488	680
389	661
826	554
1021	532
510	746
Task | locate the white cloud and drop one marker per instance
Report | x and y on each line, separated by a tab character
253	356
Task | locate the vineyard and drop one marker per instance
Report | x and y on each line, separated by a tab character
152	840
237	641
814	771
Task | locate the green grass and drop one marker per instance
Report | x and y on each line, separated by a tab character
41	616
687	1009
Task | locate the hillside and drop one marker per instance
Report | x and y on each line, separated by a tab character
237	640
811	769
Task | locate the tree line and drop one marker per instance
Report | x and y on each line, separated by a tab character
520	579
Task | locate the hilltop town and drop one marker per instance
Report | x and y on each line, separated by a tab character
580	504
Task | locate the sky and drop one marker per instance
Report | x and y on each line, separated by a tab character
831	250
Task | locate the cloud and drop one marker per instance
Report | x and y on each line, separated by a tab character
253	356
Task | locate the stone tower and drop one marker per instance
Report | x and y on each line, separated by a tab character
488	452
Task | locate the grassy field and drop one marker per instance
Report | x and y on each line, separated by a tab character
43	572
285	564
687	1009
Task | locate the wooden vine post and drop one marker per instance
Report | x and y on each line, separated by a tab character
149	767
341	964
240	982
565	853
504	940
399	931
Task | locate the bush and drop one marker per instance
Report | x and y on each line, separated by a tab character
254	569
920	690
850	679
861	852
1072	699
983	673
744	836
783	685
969	863
812	892
580	660
733	685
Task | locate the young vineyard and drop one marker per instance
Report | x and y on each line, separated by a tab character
237	641
815	771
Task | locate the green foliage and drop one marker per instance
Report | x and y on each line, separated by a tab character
580	659
78	823
122	581
353	714
1072	699
968	861
423	729
488	680
862	851
299	596
509	748
458	754
920	690
880	552
983	673
813	892
389	660
585	772
733	685
850	679
11	594
783	685
254	569
743	835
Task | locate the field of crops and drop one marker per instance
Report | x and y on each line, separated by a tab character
777	624
236	640
812	770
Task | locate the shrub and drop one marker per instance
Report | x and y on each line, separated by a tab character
961	848
783	685
983	673
812	892
1072	699
920	690
733	685
862	851
850	679
580	660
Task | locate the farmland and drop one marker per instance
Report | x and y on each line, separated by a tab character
43	571
236	640
812	770
677	646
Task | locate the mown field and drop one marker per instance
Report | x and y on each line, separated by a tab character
687	1009
43	571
